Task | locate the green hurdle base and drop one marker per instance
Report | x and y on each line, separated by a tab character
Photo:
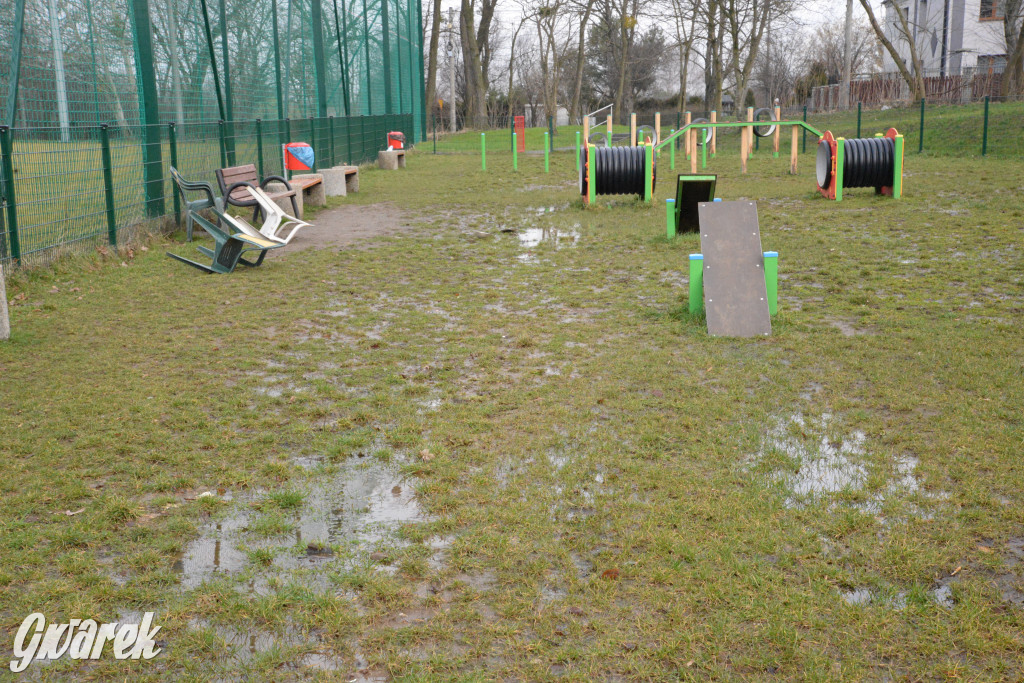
771	281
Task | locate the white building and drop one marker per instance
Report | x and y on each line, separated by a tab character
952	36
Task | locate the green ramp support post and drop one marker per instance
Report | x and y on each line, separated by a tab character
897	172
577	150
648	171
483	151
7	165
515	153
672	152
696	284
840	155
547	151
670	218
108	184
591	175
771	280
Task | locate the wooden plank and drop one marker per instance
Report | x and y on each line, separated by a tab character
735	295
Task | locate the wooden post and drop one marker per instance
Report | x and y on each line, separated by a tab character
632	130
714	134
750	138
586	130
686	122
657	126
792	152
775	145
744	133
692	136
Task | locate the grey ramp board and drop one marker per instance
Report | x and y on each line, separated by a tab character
735	296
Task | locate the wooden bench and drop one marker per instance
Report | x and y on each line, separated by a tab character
234	180
309	188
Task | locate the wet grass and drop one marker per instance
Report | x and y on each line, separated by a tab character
458	454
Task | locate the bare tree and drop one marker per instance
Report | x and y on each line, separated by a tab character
915	80
435	35
685	13
1013	34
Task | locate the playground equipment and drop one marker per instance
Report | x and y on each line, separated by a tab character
732	270
617	170
681	212
866	162
771	282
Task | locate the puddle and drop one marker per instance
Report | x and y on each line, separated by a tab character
941	596
342	517
532	237
814	460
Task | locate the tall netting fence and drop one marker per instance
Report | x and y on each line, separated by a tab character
98	97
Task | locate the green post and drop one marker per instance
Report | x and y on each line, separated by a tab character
435	134
330	136
108	184
550	141
670	218
696	284
288	138
385	33
804	150
172	140
984	131
229	102
277	65
14	69
149	110
648	170
259	147
679	124
577	150
771	280
920	137
312	141
223	147
591	175
704	148
547	149
7	165
515	153
714	153
897	180
672	152
316	21
840	155
858	118
483	151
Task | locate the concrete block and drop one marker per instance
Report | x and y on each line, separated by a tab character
312	194
334	182
391	160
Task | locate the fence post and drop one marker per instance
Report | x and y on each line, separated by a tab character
223	150
551	132
858	118
920	138
172	139
515	153
804	150
287	138
434	122
577	150
259	147
984	130
547	149
7	161
672	152
483	151
108	184
330	136
149	110
312	140
679	124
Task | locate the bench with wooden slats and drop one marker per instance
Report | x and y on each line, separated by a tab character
234	180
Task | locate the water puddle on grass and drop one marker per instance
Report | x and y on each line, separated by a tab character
941	595
815	459
533	237
342	517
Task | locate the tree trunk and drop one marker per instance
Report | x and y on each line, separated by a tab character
915	81
577	107
435	34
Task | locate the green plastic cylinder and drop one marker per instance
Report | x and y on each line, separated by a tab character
696	284
771	280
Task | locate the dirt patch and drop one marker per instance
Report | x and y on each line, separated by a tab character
350	224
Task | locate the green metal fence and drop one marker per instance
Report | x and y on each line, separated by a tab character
93	188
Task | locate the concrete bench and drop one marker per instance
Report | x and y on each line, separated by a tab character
340	180
309	190
391	159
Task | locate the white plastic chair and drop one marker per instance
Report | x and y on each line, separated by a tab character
276	219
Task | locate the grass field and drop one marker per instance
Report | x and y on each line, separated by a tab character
498	448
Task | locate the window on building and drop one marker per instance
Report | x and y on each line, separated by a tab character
991	63
992	9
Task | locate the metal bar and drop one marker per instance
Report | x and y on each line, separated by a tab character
312	140
229	104
342	54
213	59
316	16
108	185
805	132
483	151
984	130
384	29
7	166
277	65
330	136
421	82
858	118
366	45
223	144
172	139
259	147
734	124
149	110
14	71
920	138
